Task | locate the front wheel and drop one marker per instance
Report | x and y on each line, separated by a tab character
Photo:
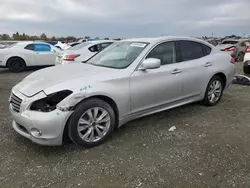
214	91
92	122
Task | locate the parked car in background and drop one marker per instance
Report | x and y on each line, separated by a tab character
213	42
246	64
61	45
236	47
82	40
82	52
20	55
72	44
2	46
129	79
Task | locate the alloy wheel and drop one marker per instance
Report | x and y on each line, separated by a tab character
214	92
94	124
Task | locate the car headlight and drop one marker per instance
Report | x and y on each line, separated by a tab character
49	103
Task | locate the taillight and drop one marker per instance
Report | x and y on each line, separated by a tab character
248	50
232	60
230	49
70	57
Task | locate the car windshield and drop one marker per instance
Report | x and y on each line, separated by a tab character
79	46
230	42
118	55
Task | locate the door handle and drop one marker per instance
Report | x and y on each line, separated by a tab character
208	64
176	71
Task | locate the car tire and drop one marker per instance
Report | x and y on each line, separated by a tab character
16	64
83	130
213	93
246	67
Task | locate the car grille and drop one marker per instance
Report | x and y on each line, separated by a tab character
15	102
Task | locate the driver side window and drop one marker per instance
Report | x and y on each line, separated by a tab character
165	52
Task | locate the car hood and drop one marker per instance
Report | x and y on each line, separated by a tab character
45	78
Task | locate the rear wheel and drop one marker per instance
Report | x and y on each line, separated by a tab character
16	64
214	91
92	122
246	67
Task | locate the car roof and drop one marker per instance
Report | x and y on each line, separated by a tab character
159	39
236	40
99	41
38	42
31	42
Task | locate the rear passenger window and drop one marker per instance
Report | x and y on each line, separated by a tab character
190	50
103	46
206	49
29	47
94	48
42	48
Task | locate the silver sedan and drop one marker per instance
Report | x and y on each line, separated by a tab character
127	80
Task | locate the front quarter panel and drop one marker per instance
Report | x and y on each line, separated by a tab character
117	89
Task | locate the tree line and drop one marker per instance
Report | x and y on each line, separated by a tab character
19	37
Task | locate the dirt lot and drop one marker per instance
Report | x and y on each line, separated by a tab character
210	148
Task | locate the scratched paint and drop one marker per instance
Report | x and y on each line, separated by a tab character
85	88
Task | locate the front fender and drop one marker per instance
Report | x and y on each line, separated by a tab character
118	90
75	99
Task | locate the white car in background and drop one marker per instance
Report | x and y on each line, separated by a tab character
27	54
82	52
247	54
246	61
2	46
61	45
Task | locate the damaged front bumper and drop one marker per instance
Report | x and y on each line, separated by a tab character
44	128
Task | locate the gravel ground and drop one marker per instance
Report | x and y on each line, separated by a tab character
209	148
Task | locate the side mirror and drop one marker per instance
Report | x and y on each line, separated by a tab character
150	63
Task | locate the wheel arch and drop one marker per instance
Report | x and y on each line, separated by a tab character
12	57
223	76
105	98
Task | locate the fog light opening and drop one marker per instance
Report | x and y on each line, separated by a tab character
35	132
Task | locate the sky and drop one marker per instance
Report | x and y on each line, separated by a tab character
125	18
